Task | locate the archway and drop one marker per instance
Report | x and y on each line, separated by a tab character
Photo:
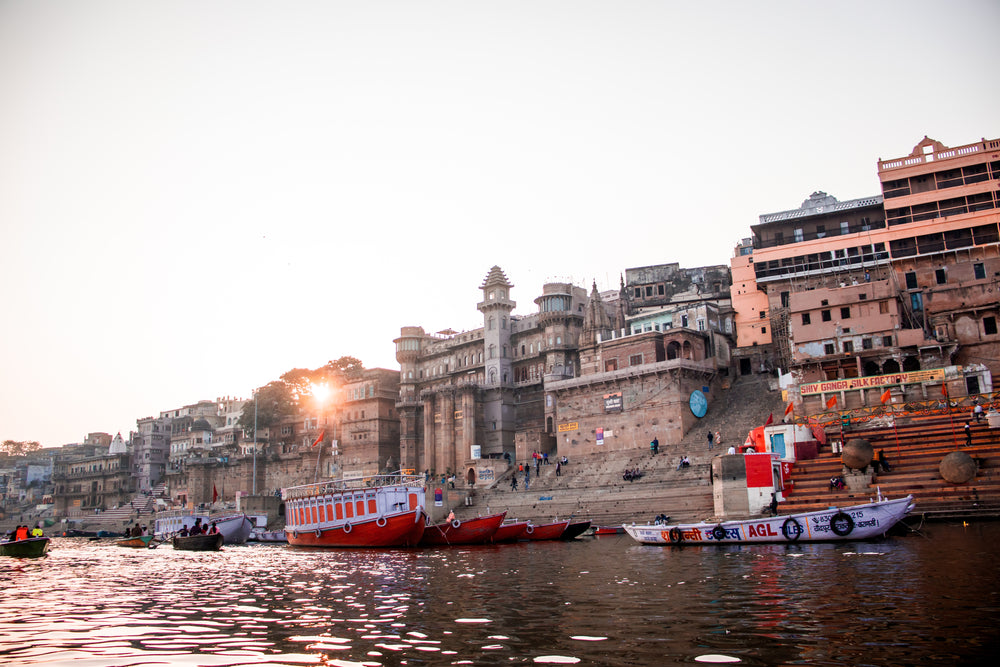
673	349
871	368
688	350
890	366
911	364
470	477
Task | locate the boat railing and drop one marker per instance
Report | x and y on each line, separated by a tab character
351	484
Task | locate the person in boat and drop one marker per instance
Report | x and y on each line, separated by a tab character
661	519
451	516
21	533
184	532
214	529
36	531
196	528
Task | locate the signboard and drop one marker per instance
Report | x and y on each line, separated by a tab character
477	451
571	426
698	403
872	381
613	402
600	436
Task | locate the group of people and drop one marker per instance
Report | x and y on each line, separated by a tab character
22	532
199	528
714	439
137	531
632	474
685	462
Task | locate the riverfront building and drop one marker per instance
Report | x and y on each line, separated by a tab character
900	282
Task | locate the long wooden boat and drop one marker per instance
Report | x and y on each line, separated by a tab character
470	531
235	527
575	530
509	532
206	542
137	542
32	547
857	522
378	511
549	531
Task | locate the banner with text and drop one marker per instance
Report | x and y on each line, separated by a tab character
872	381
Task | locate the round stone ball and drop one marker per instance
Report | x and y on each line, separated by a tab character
857	454
957	468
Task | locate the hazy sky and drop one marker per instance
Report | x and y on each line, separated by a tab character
196	197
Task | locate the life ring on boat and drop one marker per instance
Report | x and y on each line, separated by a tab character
318	532
530	529
676	536
841	524
718	533
791	529
380	522
347	528
456	523
295	534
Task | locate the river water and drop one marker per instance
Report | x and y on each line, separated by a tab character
927	599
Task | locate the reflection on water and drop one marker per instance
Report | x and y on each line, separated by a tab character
913	600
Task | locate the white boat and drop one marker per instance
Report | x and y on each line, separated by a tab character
857	522
261	535
235	528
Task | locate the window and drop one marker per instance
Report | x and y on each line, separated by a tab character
825	315
886	341
866	343
989	325
979	270
806	319
763	330
828	348
845	312
659	290
883	307
845	227
635	360
848	347
911	280
649	290
940	276
638	292
784	299
763	314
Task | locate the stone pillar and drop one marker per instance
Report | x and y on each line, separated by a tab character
468	439
430	460
447	448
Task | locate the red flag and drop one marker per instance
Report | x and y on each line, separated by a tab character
789	407
831	402
320	438
215	493
944	390
770	418
885	397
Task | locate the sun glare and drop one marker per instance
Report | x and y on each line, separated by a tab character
321	392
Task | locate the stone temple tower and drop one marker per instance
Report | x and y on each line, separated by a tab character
498	380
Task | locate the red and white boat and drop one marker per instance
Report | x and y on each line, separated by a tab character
379	511
510	532
857	522
470	531
549	531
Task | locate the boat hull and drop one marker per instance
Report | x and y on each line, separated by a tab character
470	531
575	530
550	531
138	542
400	530
33	547
609	530
509	532
211	542
235	528
857	522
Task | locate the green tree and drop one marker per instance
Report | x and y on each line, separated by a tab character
275	402
349	367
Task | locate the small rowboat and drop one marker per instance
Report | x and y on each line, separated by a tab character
32	547
470	531
211	542
137	542
575	530
857	522
609	530
550	531
510	532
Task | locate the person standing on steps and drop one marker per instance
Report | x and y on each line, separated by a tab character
711	439
968	435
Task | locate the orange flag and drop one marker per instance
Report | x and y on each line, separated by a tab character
320	438
885	397
789	407
944	390
215	493
832	401
770	418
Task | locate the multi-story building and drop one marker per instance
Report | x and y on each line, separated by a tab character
873	287
85	485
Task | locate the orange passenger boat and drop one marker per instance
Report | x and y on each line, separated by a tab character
550	531
470	531
510	532
378	511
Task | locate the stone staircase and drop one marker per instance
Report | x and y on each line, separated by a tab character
922	442
592	487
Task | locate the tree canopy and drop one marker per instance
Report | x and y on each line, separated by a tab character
19	447
275	402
